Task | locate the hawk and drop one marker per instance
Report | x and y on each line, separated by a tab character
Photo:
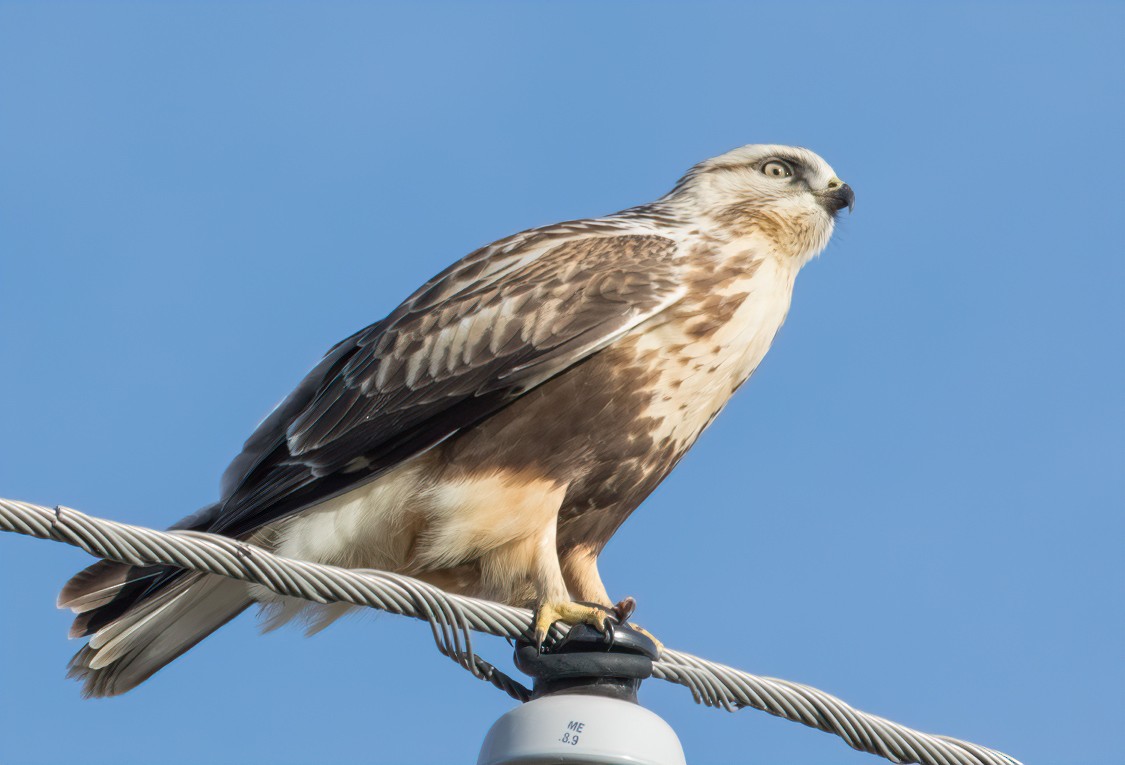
492	432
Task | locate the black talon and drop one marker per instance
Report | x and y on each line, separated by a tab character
625	609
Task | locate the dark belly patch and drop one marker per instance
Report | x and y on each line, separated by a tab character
586	429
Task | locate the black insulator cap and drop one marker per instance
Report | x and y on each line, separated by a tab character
585	662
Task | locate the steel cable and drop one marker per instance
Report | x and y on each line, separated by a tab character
453	617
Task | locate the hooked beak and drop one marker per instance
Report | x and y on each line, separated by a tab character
838	196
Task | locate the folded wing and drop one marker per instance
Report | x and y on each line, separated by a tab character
469	342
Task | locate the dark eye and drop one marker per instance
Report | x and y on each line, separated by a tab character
775	168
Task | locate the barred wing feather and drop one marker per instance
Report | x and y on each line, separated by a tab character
469	342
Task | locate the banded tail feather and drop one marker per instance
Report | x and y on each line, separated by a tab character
140	618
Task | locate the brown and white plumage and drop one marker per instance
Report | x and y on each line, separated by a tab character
492	433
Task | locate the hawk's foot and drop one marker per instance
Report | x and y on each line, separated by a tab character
570	612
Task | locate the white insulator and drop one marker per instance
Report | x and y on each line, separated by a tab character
575	728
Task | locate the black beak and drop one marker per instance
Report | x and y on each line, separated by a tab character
839	197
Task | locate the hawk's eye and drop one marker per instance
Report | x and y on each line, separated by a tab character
775	168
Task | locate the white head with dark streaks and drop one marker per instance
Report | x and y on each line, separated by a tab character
786	194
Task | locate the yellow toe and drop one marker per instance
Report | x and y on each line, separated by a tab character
571	613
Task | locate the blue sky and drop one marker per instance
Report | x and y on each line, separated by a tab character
915	504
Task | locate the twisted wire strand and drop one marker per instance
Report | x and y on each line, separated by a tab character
452	618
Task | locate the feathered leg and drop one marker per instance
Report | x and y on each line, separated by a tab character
533	559
580	571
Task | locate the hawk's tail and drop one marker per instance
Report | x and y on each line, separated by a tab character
139	618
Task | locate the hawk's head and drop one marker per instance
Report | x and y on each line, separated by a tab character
785	193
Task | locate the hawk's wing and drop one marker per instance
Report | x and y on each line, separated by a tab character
469	342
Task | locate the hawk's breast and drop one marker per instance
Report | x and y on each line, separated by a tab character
659	388
711	343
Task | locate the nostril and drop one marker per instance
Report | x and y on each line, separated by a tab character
835	183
